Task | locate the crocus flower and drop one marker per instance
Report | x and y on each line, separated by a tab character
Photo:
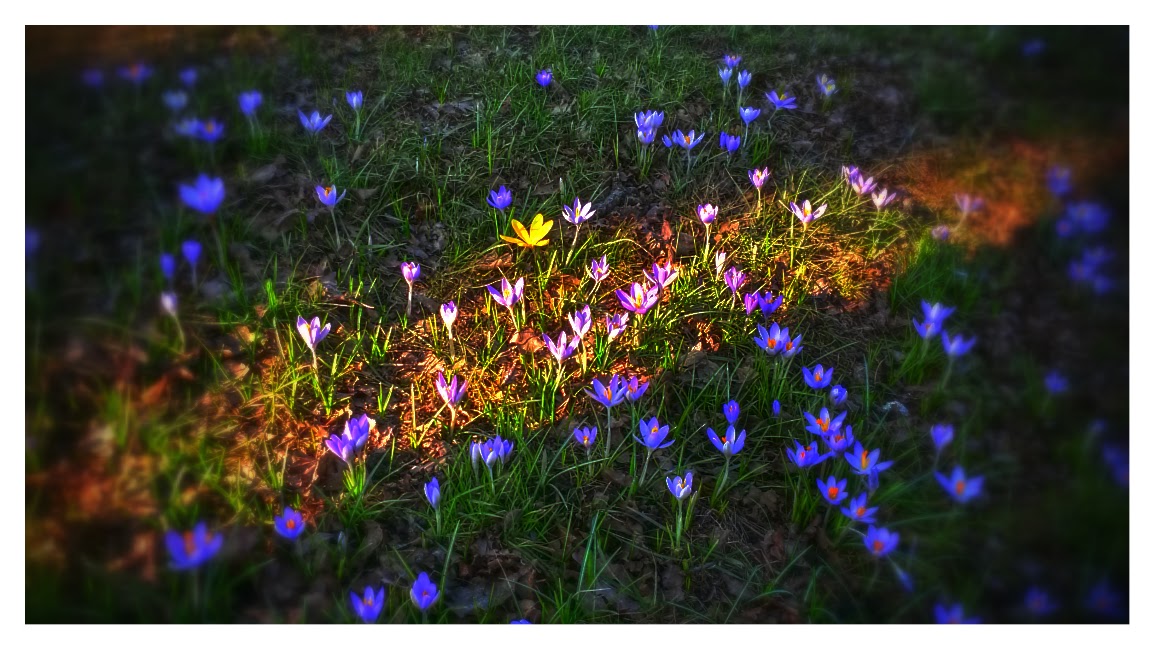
615	324
368	606
940	232
93	78
249	101
136	73
776	408
819	378
958	345
188	77
545	77
725	74
832	490
355	99
838	439
707	213
865	462
424	592
450	391
772	340
789	348
634	388
959	487
662	276
168	302
680	487
648	119
211	130
176	100
522	620
312	332
731	411
500	199
357	430
328	195
585	436
954	614
646	135
783	101
968	203
314	123
732	60
837	395
653	434
1087	216
449	315
734	278
167	265
599	268
730	444
1058	179
187	127
850	172
942	434
509	294
1103	599
857	510
805	212
1039	603
767	303
880	541
191	251
639	299
608	394
289	524
862	185
192	548
491	451
205	195
758	177
433	492
1056	383
562	348
581	321
743	78
804	456
750	301
826	86
687	140
935	316
883	198
729	143
748	114
823	424
579	213
410	270
719	261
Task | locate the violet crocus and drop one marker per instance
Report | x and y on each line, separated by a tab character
824	423
449	316
685	140
192	548
832	489
581	321
750	302
314	123
328	195
729	143
1039	603
838	440
451	393
544	77
615	324
1056	383
368	607
175	100
190	249
608	394
410	270
639	299
776	408
726	73
804	456
880	541
433	492
805	212
818	378
1059	181
968	204
729	444
784	101
577	214
205	195
634	388
562	348
168	305
941	434
858	510
168	266
882	198
732	60
662	276
599	269
768	303
837	395
680	487
136	73
424	592
249	101
312	333
499	199
748	114
648	119
508	294
959	487
211	130
653	435
586	437
862	185
957	345
743	79
757	177
826	86
289	524
734	278
731	410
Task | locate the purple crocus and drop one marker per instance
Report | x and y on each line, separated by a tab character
732	60
639	299
175	100
767	303
750	302
210	130
579	213
837	395
450	391
653	434
599	269
314	123
748	114
368	606
1039	603
953	614
680	487
839	439
328	195
707	213
832	490
424	592
433	492
769	339
608	394
615	324
646	135
805	212
826	86
776	408
192	548
357	429
1059	180
190	249
686	140
883	198
818	378
662	276
289	524
858	510
734	278
508	294
205	195
499	199
758	177
824	423
544	77
880	541
863	461
725	74
968	203
648	119
167	265
449	316
743	79
249	101
942	434
784	101
935	316
958	345
355	99
862	185
731	410
634	388
959	487
729	444
804	456
562	348
586	436
581	321
312	332
188	77
729	143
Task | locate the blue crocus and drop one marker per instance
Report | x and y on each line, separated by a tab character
864	462
804	456
858	510
646	136
424	592
249	101
730	444
355	99
687	140
136	73
521	621
289	524
191	251
942	434
839	440
818	378
748	114
176	100
544	77
205	195
935	316
1058	179
585	436
784	101
167	265
822	424
187	127
210	130
314	123
188	77
192	548
1087	216
959	487
730	143
743	79
648	119
954	614
608	394
732	60
880	541
1039	603
832	490
653	434
328	195
357	429
767	303
500	199
776	408
680	487
635	388
789	348
368	606
725	74
958	345
837	395
731	411
433	492
1056	382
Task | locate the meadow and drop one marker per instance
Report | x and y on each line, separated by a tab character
577	325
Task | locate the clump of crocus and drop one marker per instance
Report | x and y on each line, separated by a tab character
410	270
776	340
499	199
205	195
451	393
729	143
289	524
883	198
832	490
805	212
959	487
544	77
192	548
424	592
954	614
599	270
858	510
508	295
784	101
312	333
449	316
818	378
352	439
804	456
880	541
491	452
368	607
314	123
